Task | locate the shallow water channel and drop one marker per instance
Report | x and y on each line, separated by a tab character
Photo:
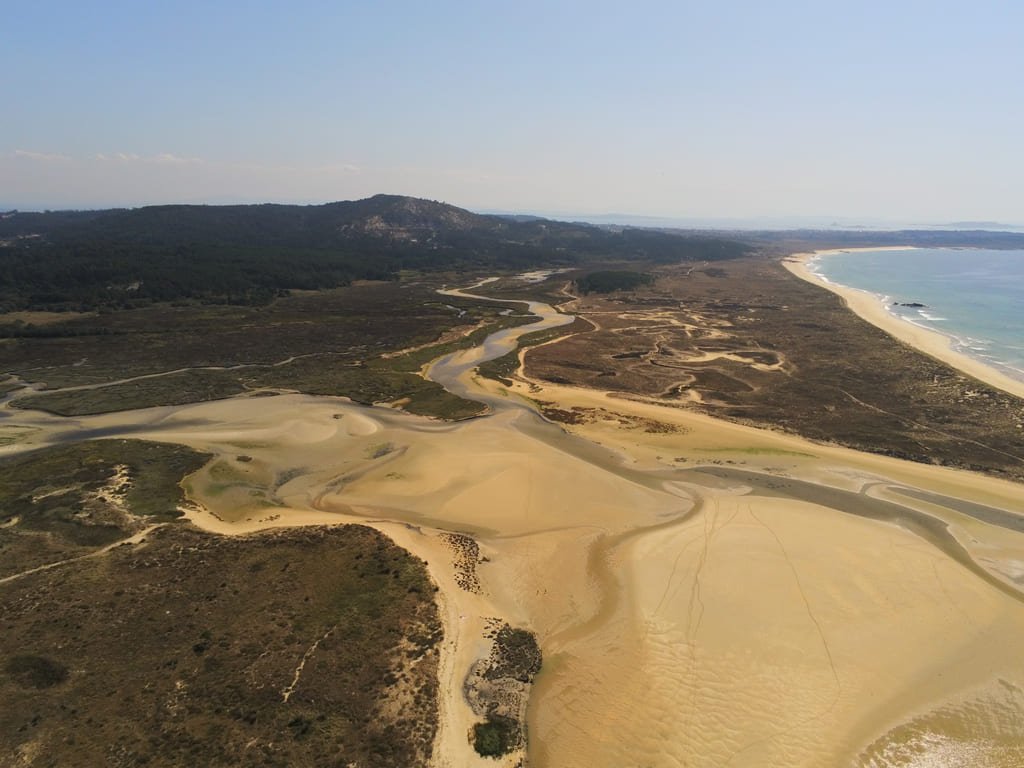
789	611
450	371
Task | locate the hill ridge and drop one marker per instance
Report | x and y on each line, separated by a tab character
249	253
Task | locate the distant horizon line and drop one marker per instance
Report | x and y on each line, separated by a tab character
730	222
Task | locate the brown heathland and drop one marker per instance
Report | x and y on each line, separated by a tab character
313	646
750	342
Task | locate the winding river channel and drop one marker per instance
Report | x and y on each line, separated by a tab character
451	371
704	593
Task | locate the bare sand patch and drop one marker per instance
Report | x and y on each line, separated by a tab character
683	618
767	631
706	623
29	317
750	636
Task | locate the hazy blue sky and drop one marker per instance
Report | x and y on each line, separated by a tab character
899	109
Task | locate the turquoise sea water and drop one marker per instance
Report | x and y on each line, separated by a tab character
974	296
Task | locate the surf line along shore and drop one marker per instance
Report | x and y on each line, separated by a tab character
869	307
865	486
779	602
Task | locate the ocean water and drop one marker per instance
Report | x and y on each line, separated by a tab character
974	296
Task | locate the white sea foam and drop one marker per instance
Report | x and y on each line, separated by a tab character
973	296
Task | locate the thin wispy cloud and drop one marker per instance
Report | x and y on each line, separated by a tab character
341	167
163	158
167	158
708	109
130	178
42	157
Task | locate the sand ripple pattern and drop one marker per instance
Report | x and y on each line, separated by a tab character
686	619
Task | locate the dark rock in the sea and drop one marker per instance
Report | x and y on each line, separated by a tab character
914	304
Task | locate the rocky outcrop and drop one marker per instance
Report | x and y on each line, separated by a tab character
498	690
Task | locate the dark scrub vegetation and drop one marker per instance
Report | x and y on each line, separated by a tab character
249	254
189	650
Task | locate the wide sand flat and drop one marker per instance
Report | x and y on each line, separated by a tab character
705	594
685	618
767	631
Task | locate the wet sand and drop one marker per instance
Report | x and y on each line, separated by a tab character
772	628
868	306
704	593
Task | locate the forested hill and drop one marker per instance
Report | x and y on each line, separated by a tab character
249	253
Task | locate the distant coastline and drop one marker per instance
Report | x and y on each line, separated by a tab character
869	307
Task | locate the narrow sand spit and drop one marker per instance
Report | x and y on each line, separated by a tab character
867	306
705	594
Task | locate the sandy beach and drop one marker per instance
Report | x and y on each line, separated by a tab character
868	306
704	593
